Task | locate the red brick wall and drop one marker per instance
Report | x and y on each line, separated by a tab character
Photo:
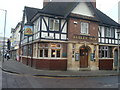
105	64
48	64
74	29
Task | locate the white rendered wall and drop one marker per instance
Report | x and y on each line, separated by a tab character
83	9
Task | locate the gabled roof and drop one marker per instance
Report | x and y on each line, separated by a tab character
30	12
59	8
105	20
64	9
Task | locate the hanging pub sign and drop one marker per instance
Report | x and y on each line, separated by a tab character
28	30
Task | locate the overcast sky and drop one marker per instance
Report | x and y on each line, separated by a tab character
15	10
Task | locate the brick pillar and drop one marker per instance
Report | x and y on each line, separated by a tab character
97	56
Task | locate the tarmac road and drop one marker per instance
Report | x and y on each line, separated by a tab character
23	81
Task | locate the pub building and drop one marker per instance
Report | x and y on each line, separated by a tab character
68	36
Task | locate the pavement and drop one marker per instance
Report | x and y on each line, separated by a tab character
16	67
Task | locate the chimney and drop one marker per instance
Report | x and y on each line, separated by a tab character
45	2
93	3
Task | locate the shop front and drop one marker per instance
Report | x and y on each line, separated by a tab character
46	55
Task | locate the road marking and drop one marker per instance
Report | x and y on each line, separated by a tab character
49	77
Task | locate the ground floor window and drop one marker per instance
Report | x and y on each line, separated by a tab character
55	53
55	50
105	52
24	49
43	50
51	50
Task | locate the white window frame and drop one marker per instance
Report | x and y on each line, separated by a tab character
53	23
110	32
103	50
56	48
43	48
84	28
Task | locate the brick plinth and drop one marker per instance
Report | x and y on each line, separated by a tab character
46	64
105	64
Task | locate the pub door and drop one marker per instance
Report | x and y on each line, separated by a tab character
84	57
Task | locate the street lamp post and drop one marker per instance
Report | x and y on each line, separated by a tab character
118	66
4	33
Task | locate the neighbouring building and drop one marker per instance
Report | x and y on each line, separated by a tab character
15	39
69	36
1	44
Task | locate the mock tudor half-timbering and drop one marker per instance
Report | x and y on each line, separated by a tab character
69	36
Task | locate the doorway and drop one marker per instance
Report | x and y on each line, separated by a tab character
84	54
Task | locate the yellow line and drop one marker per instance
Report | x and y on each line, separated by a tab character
44	76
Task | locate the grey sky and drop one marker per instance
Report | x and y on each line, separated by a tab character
15	7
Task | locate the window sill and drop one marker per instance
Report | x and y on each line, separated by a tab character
48	58
106	58
85	34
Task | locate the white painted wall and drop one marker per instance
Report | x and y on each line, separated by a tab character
116	36
83	9
36	25
102	30
16	37
65	27
43	24
51	35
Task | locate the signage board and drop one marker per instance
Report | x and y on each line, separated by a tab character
92	55
28	30
77	56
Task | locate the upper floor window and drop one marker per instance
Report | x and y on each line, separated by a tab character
84	27
109	32
53	24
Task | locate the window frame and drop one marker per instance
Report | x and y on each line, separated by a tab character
83	26
42	47
109	32
57	47
104	52
52	24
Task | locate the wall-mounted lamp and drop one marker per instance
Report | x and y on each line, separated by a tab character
75	22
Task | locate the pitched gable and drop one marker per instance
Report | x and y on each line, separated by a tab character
83	9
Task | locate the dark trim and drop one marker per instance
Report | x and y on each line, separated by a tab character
54	32
108	40
67	27
47	27
55	39
83	19
63	25
107	25
40	26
